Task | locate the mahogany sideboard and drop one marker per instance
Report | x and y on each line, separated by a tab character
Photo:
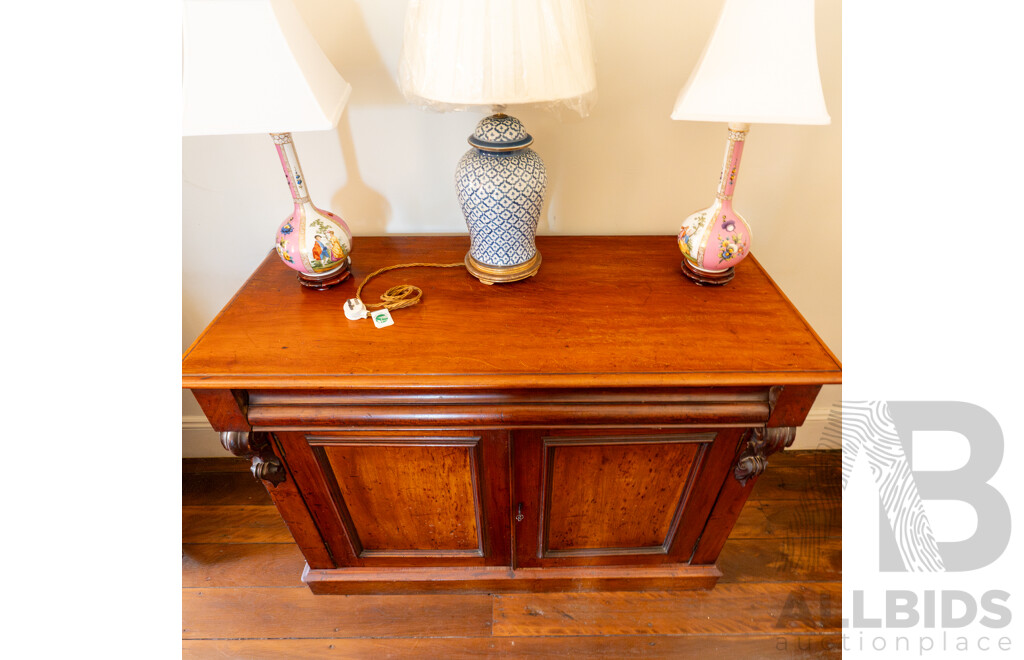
596	427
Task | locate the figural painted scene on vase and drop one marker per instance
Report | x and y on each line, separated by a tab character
314	242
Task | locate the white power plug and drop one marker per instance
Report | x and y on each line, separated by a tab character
355	309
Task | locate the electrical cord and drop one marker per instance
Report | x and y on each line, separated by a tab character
401	295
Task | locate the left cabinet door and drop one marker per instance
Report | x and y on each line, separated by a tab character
399	498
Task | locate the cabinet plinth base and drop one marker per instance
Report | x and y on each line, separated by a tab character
500	579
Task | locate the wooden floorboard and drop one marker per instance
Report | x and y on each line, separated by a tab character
751	608
222	488
600	646
790	559
241	565
780	595
774	519
233	524
287	612
786	482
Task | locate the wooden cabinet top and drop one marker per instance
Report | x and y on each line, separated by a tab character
602	312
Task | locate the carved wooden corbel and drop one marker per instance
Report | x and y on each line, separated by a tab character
269	469
255	445
240	443
773	397
761	443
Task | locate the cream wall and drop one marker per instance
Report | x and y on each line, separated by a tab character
626	169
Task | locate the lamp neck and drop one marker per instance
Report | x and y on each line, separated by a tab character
731	166
290	163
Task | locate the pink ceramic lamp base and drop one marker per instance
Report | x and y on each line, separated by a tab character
714	240
313	242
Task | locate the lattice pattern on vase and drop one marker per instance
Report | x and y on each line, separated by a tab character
500	129
501	195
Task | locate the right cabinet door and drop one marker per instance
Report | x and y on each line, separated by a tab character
600	497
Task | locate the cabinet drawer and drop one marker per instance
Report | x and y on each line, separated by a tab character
614	497
406	499
280	410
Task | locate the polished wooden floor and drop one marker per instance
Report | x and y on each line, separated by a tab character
780	595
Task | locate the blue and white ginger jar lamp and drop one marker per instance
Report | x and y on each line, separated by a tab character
460	54
500	183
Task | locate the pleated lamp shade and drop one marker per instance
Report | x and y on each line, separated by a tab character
465	53
760	66
251	66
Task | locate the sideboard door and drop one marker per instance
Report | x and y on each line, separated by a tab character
615	497
385	498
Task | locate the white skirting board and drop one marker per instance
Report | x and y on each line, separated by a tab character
199	440
812	435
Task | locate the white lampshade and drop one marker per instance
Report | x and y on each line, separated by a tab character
251	66
761	66
462	53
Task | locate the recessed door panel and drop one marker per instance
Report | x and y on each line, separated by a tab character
395	498
409	498
627	499
600	497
